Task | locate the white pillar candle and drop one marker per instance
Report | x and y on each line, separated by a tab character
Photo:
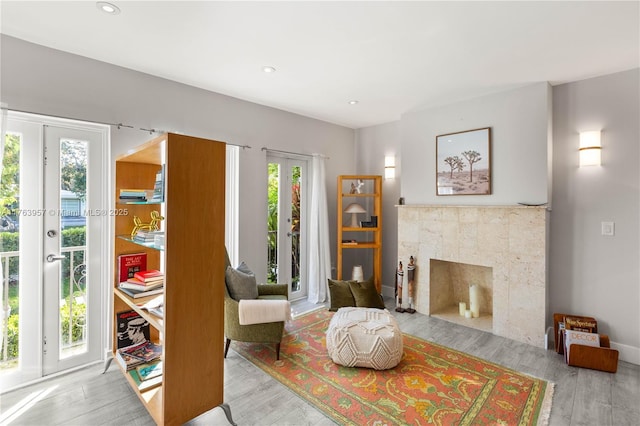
462	308
474	298
467	313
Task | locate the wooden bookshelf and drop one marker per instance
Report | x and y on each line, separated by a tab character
369	197
193	257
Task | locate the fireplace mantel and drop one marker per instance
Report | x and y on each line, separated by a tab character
512	240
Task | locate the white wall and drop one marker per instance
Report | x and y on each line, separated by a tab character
42	80
591	274
519	122
372	145
588	274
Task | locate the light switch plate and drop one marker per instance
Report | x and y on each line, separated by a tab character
608	229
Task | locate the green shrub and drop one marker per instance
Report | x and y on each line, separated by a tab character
12	338
73	237
9	242
77	325
77	329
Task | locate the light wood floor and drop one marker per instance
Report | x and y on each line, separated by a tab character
87	397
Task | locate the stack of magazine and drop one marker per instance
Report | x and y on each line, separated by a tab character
143	363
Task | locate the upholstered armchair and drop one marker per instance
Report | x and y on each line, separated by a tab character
270	332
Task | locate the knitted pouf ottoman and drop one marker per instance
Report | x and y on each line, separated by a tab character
364	337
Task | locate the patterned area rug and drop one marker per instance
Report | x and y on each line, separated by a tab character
431	385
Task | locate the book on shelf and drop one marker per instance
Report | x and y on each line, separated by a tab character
133	195
141	293
158	311
149	276
145	285
144	385
154	303
149	370
129	264
126	361
146	351
350	242
155	306
373	223
147	236
136	284
131	329
140	354
158	187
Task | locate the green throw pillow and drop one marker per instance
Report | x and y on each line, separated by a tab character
340	294
365	294
241	283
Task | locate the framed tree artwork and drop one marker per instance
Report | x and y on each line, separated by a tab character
463	163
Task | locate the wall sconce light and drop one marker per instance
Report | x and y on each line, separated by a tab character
590	148
389	167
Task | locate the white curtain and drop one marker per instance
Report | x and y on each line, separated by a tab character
4	284
319	253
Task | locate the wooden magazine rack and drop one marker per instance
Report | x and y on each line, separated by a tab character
603	358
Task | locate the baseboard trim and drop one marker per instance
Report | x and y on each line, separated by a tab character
627	353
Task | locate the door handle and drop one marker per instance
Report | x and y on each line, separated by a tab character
53	257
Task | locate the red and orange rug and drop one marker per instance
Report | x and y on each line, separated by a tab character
431	385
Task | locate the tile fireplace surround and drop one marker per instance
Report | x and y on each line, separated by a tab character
511	240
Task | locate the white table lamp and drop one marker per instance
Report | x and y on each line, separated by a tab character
354	209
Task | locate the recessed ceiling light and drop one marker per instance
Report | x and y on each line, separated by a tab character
109	8
353	102
268	69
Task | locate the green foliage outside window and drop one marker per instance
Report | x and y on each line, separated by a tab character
275	184
10	179
72	237
12	338
77	325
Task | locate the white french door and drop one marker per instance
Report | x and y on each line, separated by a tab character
54	190
287	223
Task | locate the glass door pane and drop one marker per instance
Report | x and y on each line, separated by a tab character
286	224
10	255
273	205
21	215
295	239
73	183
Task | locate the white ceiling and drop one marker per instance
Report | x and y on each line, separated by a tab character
393	57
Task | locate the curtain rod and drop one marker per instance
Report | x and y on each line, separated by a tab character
116	125
264	148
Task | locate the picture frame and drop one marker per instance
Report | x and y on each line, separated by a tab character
463	162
